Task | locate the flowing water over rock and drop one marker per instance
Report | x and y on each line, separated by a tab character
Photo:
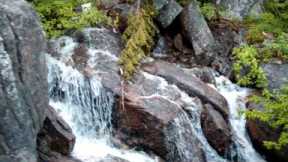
87	107
235	95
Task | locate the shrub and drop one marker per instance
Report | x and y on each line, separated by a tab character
246	67
57	16
139	40
274	20
274	114
279	46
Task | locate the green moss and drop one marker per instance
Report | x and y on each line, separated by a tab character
139	40
278	47
57	16
246	67
274	114
274	20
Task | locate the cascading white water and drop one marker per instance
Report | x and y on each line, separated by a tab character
187	123
235	97
86	106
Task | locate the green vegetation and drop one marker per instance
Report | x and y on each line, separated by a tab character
246	67
275	114
274	21
58	16
139	40
267	38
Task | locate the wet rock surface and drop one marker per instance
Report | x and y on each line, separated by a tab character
23	92
188	83
216	130
110	158
148	120
55	137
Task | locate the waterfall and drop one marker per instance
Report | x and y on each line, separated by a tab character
235	97
87	107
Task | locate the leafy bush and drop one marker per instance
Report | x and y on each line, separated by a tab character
139	40
208	10
246	67
279	46
275	114
274	20
57	16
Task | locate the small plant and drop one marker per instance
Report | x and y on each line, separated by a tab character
279	46
208	10
274	114
274	20
139	40
57	16
247	69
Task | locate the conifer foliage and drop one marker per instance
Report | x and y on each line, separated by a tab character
139	40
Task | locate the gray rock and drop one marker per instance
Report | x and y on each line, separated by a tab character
151	122
240	8
216	130
277	75
24	92
168	13
161	50
55	136
103	39
188	83
198	33
205	74
159	4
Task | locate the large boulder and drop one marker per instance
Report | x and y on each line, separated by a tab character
277	75
216	130
198	33
260	132
55	136
205	74
168	13
103	39
188	83
23	92
151	117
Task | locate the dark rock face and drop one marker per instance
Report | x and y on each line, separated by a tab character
55	136
198	33
144	123
161	49
260	132
216	130
189	83
277	75
228	37
23	92
168	12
